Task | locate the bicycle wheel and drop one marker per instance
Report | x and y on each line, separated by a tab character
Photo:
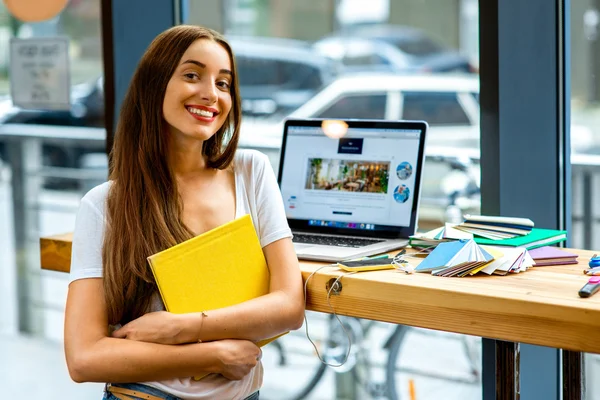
371	359
292	368
433	365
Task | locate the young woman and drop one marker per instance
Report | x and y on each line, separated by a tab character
176	174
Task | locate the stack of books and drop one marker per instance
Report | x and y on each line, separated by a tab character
534	239
509	231
491	231
496	228
548	255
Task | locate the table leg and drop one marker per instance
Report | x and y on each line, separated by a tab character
507	371
572	364
501	379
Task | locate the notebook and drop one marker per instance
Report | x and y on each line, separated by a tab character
536	238
222	267
495	227
548	255
351	187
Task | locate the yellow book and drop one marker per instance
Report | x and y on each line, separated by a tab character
220	268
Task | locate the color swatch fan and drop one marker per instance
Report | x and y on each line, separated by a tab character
457	258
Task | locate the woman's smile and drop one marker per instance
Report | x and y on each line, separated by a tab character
202	113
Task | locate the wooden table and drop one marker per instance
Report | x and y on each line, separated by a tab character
540	306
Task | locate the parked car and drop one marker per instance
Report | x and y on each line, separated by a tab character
391	47
447	102
276	76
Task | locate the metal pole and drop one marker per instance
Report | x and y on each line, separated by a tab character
24	157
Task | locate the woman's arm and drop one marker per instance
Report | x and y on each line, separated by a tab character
93	356
279	311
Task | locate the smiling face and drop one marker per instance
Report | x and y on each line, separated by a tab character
198	96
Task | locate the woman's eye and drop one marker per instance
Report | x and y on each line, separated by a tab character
191	75
223	84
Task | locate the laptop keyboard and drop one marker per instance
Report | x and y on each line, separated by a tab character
333	241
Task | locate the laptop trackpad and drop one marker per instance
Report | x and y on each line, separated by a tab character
324	251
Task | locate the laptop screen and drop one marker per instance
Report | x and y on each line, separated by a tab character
361	178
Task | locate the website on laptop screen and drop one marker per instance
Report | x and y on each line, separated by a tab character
364	180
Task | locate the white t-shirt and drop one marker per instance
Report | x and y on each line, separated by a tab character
257	194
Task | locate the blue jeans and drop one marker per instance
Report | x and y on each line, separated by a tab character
153	391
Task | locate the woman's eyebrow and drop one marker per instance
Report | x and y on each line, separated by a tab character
202	65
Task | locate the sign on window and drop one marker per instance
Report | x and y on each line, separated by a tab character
39	73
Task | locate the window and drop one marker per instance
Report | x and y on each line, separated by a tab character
417	46
365	59
585	145
256	71
435	108
368	106
299	76
265	72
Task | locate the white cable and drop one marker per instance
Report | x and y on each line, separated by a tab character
397	261
333	312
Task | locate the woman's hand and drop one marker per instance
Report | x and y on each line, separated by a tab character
237	357
156	327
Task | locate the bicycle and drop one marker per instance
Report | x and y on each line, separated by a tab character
377	370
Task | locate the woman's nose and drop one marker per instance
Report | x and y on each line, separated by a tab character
209	92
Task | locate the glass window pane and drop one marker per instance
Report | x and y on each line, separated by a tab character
366	107
282	71
585	144
80	23
435	108
49	169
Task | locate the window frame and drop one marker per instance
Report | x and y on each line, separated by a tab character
525	107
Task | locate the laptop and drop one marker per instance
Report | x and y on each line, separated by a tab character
351	187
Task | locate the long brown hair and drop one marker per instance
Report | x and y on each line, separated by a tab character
143	206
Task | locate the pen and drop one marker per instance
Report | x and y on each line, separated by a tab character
593	272
380	256
370	258
400	253
590	287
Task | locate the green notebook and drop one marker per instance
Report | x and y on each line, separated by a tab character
536	238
